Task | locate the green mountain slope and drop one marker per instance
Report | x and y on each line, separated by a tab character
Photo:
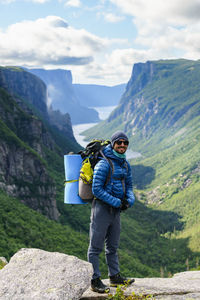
161	98
22	227
172	183
143	252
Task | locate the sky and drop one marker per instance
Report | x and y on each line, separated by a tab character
99	41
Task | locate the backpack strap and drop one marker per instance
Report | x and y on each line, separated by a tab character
123	182
111	169
126	165
66	181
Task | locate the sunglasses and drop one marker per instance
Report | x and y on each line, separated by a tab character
120	143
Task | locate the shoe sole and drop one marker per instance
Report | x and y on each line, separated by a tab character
107	290
129	282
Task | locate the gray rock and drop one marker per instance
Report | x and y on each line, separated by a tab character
41	275
182	286
20	169
4	260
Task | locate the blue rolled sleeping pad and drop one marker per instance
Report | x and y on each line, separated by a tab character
72	164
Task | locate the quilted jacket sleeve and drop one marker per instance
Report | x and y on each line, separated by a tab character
129	187
101	172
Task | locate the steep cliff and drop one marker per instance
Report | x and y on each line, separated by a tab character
26	86
32	142
23	172
30	93
161	98
62	97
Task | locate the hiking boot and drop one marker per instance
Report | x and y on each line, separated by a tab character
98	286
118	279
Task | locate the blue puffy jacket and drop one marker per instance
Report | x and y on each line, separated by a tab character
112	193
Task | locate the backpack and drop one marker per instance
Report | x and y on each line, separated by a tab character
91	155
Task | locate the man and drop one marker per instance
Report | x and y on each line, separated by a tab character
110	199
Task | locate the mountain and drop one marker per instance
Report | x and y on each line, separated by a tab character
32	210
62	97
160	99
26	86
29	140
32	169
160	112
92	95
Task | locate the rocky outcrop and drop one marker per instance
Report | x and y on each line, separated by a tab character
25	125
31	94
182	286
142	74
23	173
26	86
34	274
62	122
29	138
157	101
4	260
37	274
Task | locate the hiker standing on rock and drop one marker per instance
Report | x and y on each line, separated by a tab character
110	199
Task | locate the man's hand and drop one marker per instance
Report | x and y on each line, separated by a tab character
124	205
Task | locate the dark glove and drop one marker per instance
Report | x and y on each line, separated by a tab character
124	205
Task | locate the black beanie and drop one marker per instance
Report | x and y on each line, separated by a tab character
117	136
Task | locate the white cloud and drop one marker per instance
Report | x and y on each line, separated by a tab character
165	29
112	18
51	43
10	1
48	42
155	18
115	68
73	3
170	11
40	1
6	1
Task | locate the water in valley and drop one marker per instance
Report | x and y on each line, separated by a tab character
104	112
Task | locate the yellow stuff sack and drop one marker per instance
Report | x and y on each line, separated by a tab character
86	172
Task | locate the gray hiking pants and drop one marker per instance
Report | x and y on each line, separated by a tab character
104	227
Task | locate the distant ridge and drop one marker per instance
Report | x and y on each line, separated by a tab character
93	95
61	95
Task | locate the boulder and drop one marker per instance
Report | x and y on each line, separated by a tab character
41	275
182	286
3	260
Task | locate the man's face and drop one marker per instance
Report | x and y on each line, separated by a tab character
120	146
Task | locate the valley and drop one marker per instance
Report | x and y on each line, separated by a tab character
160	112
